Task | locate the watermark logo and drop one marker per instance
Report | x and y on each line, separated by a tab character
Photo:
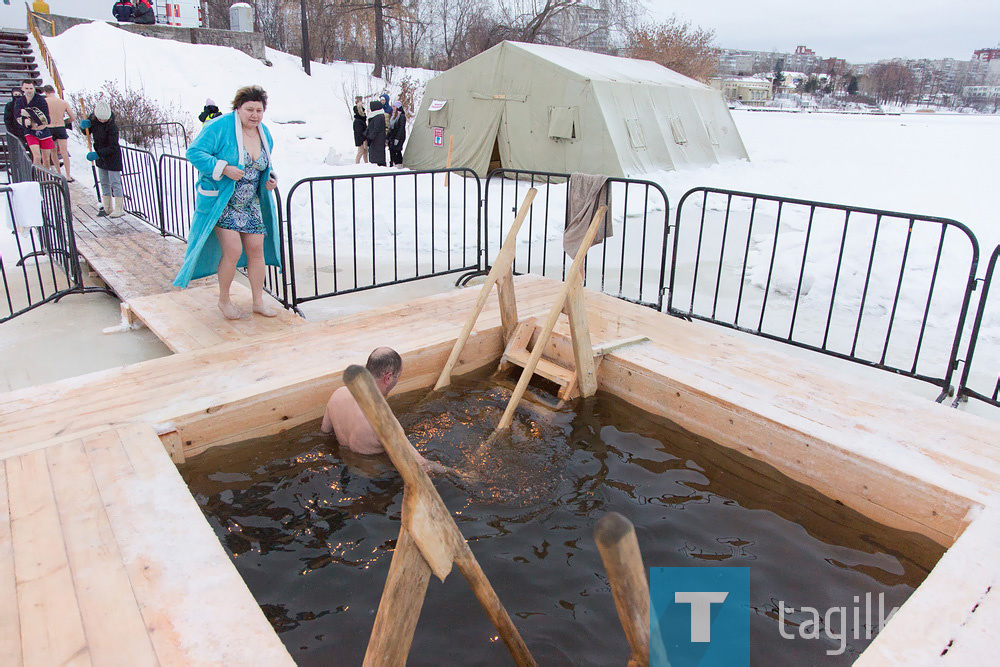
832	624
699	616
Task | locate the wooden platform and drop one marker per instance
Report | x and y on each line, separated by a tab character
105	558
139	266
901	459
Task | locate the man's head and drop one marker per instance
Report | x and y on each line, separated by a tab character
28	88
15	92
48	90
385	365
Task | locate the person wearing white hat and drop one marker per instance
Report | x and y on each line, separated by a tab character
209	112
107	157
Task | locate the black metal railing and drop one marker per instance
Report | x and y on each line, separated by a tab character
157	138
177	180
860	284
39	262
981	374
351	233
140	185
630	264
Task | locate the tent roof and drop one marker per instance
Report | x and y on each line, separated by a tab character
601	67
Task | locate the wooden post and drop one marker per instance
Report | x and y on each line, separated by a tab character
451	148
616	540
501	270
425	516
508	304
572	276
583	351
399	609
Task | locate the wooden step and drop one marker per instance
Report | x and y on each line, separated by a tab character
548	370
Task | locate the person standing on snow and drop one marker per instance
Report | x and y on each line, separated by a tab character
122	11
375	134
107	157
397	134
209	112
360	124
235	219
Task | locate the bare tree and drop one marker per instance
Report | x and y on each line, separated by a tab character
892	82
675	44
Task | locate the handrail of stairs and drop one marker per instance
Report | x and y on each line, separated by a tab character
33	20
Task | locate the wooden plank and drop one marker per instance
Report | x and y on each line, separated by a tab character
508	303
115	629
547	369
52	630
10	626
174	445
192	593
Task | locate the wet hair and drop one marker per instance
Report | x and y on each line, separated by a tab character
48	90
249	94
384	360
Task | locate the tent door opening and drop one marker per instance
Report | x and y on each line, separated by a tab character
495	162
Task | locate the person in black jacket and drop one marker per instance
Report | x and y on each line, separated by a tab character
210	112
397	134
360	124
375	133
107	155
144	13
122	11
9	119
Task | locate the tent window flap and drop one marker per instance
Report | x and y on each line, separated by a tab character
677	129
563	123
438	113
635	134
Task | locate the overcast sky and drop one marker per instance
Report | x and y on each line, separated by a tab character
856	30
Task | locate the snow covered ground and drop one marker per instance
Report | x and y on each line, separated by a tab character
929	164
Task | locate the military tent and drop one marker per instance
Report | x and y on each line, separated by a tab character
549	108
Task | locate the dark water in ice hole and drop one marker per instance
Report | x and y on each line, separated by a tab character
312	531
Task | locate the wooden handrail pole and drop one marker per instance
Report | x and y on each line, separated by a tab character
399	608
616	540
473	573
572	276
504	260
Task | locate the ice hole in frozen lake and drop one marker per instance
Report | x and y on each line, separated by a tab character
311	528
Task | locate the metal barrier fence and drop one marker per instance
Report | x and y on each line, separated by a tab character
860	284
157	138
177	181
981	374
631	264
365	231
140	185
39	262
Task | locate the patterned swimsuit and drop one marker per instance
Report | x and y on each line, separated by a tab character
242	214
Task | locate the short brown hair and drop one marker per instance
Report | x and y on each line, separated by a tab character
48	89
31	81
249	94
384	360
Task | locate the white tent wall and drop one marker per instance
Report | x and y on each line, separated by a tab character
629	117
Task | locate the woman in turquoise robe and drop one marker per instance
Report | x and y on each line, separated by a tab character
235	222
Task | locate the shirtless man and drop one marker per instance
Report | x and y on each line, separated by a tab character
344	417
59	109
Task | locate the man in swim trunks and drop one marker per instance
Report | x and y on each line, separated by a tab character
344	417
31	100
61	117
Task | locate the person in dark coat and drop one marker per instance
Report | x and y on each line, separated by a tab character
375	133
107	156
210	111
122	11
31	100
144	13
9	118
360	124
397	134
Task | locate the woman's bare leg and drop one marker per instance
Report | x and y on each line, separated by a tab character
253	245
359	154
232	249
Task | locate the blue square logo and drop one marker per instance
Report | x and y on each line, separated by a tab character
699	616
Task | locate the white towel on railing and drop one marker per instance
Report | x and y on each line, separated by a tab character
27	200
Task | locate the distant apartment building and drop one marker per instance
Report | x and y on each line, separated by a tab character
740	62
585	26
981	95
751	91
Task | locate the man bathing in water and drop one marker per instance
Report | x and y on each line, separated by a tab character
344	417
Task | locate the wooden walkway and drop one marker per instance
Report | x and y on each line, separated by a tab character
139	266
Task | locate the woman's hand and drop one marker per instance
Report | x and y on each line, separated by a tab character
232	172
271	183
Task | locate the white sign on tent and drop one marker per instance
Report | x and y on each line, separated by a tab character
437	105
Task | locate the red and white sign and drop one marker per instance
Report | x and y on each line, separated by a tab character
437	105
439	136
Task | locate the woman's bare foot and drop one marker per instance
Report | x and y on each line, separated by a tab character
265	310
229	310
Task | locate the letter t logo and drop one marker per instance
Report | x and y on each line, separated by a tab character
701	611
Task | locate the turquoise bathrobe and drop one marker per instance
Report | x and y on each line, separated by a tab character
219	144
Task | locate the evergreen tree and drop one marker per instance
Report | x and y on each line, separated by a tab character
852	87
